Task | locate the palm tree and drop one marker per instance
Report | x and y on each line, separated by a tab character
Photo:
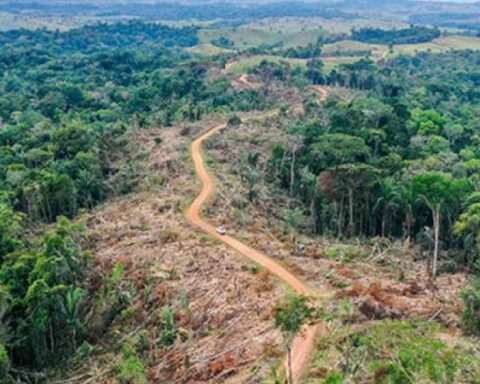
387	203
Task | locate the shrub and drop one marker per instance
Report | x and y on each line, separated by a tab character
234	121
4	363
333	378
131	369
471	313
169	331
396	352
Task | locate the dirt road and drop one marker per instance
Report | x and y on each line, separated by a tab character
322	92
304	343
245	80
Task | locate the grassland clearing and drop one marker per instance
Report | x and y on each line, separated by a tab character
244	38
207	49
441	44
245	64
327	26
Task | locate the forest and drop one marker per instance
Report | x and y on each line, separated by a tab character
169	11
397	160
67	111
180	200
411	35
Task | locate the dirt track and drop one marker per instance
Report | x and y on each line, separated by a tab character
303	344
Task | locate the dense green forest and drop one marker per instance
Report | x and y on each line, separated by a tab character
400	160
97	38
68	102
412	35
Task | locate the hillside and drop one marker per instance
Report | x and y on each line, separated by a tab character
239	193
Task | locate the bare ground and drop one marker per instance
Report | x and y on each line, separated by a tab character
384	280
226	329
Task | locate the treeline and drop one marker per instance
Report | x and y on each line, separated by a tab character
100	37
42	292
462	20
175	11
412	35
400	160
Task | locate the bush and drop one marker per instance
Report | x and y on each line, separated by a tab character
345	253
131	369
333	378
4	363
234	121
169	331
471	313
396	352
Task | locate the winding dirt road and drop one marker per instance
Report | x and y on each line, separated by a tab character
304	343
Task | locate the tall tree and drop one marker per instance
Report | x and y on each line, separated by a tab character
290	316
436	190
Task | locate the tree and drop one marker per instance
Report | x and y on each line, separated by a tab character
387	202
349	180
234	121
436	190
44	284
315	71
471	313
4	363
467	228
290	316
9	230
336	149
294	220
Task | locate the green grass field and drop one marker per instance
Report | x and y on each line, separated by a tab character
441	44
328	26
330	63
245	64
378	51
207	49
9	21
244	38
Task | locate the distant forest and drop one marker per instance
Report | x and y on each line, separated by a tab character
413	35
452	15
173	11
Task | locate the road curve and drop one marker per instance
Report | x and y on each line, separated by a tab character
304	343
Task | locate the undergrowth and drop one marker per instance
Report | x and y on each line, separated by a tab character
393	352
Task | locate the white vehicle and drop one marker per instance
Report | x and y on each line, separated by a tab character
221	230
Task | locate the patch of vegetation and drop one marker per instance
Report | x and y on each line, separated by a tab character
68	109
131	369
471	312
290	316
345	253
375	162
411	35
223	42
396	352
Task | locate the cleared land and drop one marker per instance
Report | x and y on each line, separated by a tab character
378	51
367	280
327	26
245	64
244	38
349	51
208	49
